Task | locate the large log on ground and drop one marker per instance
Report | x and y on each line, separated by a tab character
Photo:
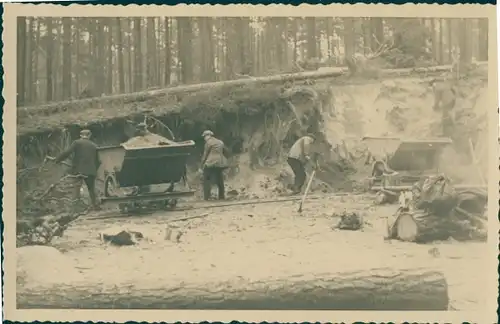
369	289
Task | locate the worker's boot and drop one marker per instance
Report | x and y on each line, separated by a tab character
295	189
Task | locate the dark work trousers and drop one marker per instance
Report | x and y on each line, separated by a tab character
299	172
90	183
213	175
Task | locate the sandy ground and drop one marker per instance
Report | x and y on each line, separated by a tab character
252	241
267	240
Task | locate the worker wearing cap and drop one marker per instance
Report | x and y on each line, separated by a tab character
85	163
213	164
298	157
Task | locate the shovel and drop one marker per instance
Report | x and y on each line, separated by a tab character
307	190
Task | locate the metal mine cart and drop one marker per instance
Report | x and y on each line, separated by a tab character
400	163
131	175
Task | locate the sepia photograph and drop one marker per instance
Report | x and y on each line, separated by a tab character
205	159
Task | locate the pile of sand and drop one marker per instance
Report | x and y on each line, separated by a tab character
39	266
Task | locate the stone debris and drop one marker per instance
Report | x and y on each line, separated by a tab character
122	238
351	221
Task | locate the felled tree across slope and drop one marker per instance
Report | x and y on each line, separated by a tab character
40	119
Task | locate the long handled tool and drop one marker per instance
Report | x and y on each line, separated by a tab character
307	190
476	163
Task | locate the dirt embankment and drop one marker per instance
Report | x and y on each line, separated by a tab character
259	123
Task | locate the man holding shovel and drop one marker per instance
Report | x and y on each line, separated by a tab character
298	157
84	166
213	163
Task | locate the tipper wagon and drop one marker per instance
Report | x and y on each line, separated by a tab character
399	163
132	175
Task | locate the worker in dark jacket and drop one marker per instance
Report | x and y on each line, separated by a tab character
213	164
85	164
298	157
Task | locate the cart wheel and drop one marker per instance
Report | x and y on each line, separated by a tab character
169	204
110	187
123	208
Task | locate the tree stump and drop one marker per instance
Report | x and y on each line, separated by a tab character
421	227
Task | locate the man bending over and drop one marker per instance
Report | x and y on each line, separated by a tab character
298	157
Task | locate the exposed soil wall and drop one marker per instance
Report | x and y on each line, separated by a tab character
260	122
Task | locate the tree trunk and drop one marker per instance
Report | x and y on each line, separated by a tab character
21	59
349	42
152	68
121	68
483	39
130	71
390	289
76	65
27	126
35	63
168	52
442	40
28	72
295	39
231	58
434	39
464	42
279	39
100	80
367	36
57	79
243	45
137	55
311	37
377	33
109	59
450	25
184	39
207	49
93	54
66	74
49	51
158	51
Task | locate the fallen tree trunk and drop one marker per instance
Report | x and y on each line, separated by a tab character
279	78
137	96
370	289
35	120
